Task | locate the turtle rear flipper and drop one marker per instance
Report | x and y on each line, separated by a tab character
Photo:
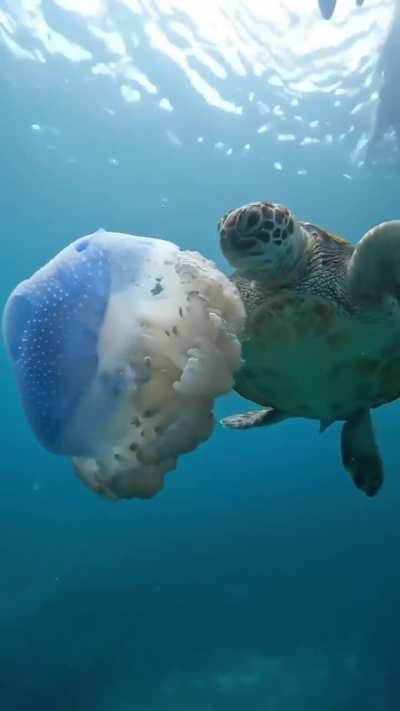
254	418
360	454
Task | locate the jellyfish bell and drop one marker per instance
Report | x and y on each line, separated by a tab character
120	345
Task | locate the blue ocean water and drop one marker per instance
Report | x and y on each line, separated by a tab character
259	577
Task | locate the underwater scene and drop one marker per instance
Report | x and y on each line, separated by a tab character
200	355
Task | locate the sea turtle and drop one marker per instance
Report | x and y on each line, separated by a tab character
322	335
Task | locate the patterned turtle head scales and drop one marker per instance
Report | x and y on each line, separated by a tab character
263	237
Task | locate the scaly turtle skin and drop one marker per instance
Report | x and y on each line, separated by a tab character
322	336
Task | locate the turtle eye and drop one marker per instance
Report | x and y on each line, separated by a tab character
246	244
242	243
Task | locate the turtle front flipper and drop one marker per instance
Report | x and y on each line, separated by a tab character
360	454
374	267
254	418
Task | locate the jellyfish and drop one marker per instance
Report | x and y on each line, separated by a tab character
120	345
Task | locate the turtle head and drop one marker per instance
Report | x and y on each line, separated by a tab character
263	239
